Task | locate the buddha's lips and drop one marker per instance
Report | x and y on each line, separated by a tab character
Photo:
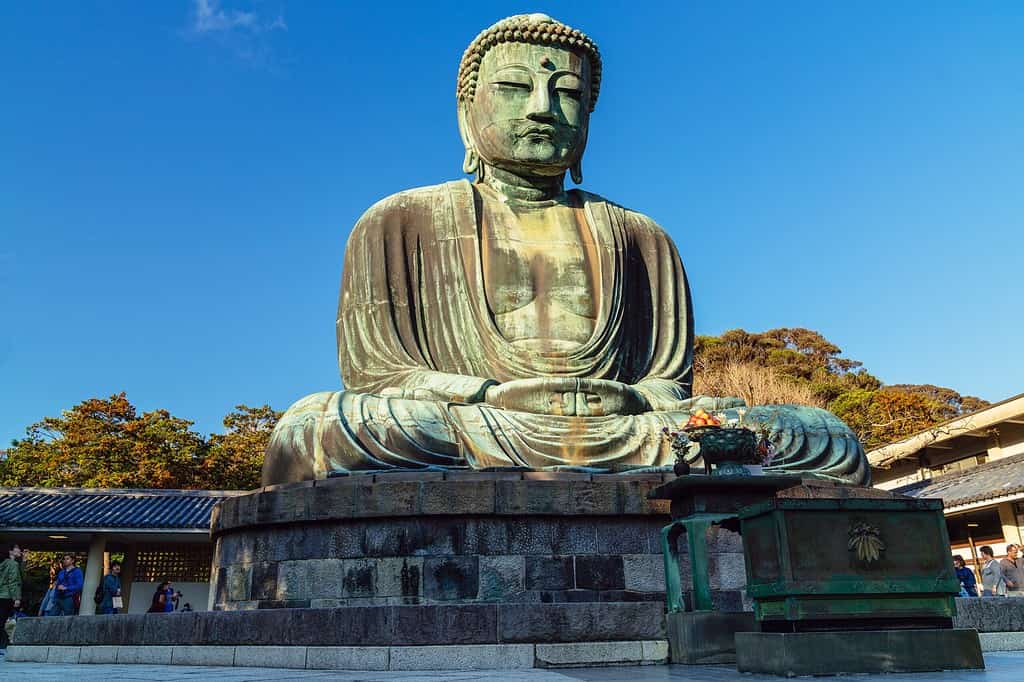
549	132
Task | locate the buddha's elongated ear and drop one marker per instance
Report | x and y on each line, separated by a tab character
576	171
471	162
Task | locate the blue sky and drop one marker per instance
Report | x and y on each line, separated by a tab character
178	179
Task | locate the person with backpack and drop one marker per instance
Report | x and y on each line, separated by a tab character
10	588
162	599
108	593
68	590
992	582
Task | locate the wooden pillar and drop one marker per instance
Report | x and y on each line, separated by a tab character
1008	520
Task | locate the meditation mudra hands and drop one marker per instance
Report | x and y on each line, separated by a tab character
568	397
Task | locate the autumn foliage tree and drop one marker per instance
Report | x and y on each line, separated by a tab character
802	366
106	443
235	457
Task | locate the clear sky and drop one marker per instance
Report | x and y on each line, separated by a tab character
178	179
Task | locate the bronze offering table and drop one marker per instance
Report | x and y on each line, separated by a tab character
850	580
703	634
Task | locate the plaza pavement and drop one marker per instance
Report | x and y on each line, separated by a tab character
1002	667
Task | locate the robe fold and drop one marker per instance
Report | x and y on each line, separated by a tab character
418	347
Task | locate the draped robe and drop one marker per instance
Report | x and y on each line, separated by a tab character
418	347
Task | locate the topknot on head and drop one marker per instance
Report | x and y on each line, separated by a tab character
536	29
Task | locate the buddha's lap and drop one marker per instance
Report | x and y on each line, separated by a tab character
359	431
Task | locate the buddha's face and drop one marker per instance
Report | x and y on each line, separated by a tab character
531	108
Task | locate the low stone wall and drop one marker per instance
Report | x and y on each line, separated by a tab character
990	614
432	538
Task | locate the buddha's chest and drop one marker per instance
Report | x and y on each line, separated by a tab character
540	273
541	257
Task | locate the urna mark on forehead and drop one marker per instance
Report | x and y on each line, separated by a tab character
535	58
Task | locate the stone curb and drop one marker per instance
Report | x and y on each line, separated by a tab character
1002	641
470	657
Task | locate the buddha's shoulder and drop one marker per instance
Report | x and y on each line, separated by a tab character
408	201
632	219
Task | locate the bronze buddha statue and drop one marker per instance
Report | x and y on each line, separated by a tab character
509	322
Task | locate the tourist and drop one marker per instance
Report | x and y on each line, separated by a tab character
110	588
992	582
968	584
161	598
10	588
68	590
171	603
187	608
1013	571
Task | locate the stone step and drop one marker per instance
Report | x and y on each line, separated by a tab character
470	657
456	624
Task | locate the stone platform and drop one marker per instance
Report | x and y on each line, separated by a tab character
490	636
453	538
519	569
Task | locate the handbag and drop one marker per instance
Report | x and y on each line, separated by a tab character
117	602
47	605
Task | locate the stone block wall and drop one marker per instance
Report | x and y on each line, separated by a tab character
990	614
381	540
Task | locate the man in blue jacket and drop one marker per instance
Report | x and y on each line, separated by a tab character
68	590
110	588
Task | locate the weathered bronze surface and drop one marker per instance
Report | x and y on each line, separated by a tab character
805	571
698	503
509	322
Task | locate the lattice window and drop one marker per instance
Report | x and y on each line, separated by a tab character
186	563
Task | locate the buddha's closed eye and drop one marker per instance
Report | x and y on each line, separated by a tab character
513	85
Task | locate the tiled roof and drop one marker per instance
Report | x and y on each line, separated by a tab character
105	508
983	482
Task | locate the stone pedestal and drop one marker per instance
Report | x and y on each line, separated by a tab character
705	637
453	538
793	654
464	569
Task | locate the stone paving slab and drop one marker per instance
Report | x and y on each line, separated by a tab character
1002	667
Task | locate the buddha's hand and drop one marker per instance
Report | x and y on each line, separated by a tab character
710	403
567	397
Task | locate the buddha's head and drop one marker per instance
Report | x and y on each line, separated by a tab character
525	91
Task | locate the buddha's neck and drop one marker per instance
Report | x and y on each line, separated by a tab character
525	188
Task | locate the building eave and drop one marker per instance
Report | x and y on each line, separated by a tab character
978	504
969	424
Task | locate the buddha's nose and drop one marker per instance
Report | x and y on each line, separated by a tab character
540	106
542	116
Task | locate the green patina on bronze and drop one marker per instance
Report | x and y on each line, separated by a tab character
808	569
510	322
698	503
